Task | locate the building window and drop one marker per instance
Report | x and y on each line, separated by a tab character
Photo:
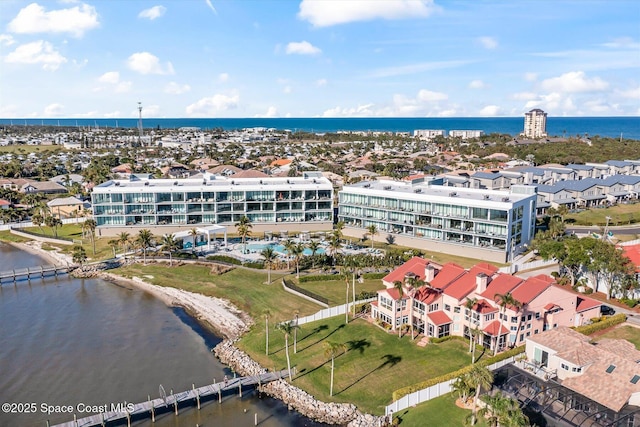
529	317
489	317
514	328
528	334
456	309
528	325
447	307
521	337
536	331
433	307
514	320
635	379
574	369
610	369
538	315
564	366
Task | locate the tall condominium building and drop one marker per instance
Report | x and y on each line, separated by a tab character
477	223
465	134
535	124
428	134
169	205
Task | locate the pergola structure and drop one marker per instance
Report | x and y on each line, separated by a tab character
202	231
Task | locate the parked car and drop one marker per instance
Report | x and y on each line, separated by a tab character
605	310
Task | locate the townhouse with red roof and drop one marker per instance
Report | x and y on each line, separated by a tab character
435	300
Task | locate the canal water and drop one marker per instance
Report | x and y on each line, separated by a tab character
67	342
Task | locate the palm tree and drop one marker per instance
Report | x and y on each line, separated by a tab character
333	349
313	246
54	223
287	328
169	245
79	255
91	225
480	377
194	235
372	230
296	251
414	283
37	220
288	247
244	230
334	247
337	231
144	240
123	239
398	285
113	243
296	313
270	257
501	410
503	301
266	313
462	387
469	304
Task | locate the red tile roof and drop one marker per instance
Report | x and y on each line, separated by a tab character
426	295
447	275
4	202
551	306
466	283
584	304
439	318
495	326
484	307
500	285
393	293
531	288
415	265
633	253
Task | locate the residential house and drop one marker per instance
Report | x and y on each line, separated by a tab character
67	207
43	187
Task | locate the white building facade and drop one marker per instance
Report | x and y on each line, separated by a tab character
535	124
466	134
428	134
492	225
168	205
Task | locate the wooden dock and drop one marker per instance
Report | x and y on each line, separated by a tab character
30	273
125	415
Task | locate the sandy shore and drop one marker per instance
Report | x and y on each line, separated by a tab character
34	247
222	316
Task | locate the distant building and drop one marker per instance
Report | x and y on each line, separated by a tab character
427	134
535	124
465	134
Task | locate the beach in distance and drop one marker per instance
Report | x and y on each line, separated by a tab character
627	127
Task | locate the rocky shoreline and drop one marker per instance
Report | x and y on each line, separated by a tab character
296	399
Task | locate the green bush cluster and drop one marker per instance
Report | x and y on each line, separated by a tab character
401	392
224	258
374	275
604	323
257	265
629	302
447	338
319	278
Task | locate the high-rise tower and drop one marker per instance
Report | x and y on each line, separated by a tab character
535	124
139	123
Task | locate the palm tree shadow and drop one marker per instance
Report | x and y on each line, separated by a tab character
359	345
313	332
322	339
390	360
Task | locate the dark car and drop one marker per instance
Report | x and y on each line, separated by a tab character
605	310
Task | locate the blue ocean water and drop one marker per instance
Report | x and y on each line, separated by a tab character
628	127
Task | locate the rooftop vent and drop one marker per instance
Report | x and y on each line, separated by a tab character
204	182
260	182
505	199
367	185
388	187
146	183
453	194
117	183
233	182
418	190
175	182
487	197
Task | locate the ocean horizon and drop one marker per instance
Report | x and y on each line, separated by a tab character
627	127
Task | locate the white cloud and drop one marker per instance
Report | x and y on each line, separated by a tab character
321	82
174	88
477	84
148	111
523	96
6	40
147	63
112	80
213	105
35	19
110	77
271	112
153	12
531	77
359	111
302	48
9	111
38	52
53	110
488	42
321	13
490	111
429	96
223	77
574	82
622	43
287	89
112	115
211	6
555	103
632	93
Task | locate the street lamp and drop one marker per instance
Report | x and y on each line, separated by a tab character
606	228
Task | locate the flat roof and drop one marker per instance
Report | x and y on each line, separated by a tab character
214	182
437	193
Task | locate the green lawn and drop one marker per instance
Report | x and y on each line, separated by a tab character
27	149
6	236
242	287
625	332
441	412
335	290
620	215
376	363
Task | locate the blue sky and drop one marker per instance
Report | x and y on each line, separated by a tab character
319	58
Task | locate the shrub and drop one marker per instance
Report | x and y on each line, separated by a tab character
224	258
185	255
257	265
320	278
374	275
629	302
604	323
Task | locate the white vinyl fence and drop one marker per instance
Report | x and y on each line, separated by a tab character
24	224
434	391
514	268
331	311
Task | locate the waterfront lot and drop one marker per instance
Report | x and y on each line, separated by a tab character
335	290
441	411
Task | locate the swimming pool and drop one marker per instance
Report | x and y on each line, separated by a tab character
259	247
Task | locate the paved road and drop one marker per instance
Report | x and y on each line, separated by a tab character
625	229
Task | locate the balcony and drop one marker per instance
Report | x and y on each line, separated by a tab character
536	369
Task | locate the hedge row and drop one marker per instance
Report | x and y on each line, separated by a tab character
401	392
374	275
319	278
289	284
603	324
